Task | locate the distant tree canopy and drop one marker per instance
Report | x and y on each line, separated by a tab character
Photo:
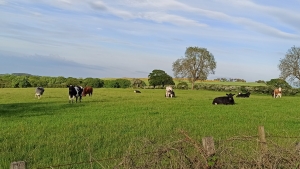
260	81
290	65
197	64
182	85
137	83
22	80
279	83
160	77
230	80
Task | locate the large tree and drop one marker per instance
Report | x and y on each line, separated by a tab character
279	83
290	65
160	77
197	64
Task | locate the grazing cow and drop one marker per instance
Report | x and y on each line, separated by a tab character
169	92
137	91
75	92
39	92
224	99
243	94
277	93
87	90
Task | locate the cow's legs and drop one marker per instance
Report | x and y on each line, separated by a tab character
37	95
71	98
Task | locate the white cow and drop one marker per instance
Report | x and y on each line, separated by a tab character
169	92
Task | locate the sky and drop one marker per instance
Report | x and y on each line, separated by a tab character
131	38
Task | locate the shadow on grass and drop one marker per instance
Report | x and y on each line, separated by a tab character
36	108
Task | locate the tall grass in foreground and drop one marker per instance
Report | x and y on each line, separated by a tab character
50	131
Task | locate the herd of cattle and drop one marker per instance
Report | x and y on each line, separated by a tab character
76	93
228	99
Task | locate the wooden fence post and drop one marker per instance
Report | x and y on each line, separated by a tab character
298	147
209	145
262	139
18	165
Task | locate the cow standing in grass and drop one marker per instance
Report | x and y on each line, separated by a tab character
75	92
228	99
39	91
87	90
277	93
169	92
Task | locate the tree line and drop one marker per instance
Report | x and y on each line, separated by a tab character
196	64
24	81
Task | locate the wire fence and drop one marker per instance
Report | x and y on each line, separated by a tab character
189	153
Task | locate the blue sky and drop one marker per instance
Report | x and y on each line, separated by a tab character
130	38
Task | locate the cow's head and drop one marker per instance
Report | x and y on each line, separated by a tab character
230	95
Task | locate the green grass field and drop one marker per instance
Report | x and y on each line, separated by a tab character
51	132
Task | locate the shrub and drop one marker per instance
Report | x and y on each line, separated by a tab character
123	83
182	85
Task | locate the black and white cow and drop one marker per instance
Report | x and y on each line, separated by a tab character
224	99
39	91
137	91
243	94
75	92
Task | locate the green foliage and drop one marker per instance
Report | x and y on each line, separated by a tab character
260	81
93	82
279	83
230	80
160	77
72	81
18	81
111	84
137	83
267	90
243	89
124	83
182	85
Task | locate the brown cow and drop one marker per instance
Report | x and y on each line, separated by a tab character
277	93
87	90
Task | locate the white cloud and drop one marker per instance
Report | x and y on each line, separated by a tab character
98	5
2	2
130	36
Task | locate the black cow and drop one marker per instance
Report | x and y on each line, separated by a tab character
137	91
243	94
75	92
224	99
39	92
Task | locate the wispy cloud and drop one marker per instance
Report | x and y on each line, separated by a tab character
137	36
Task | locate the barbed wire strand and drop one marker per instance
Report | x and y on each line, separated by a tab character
94	160
235	138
